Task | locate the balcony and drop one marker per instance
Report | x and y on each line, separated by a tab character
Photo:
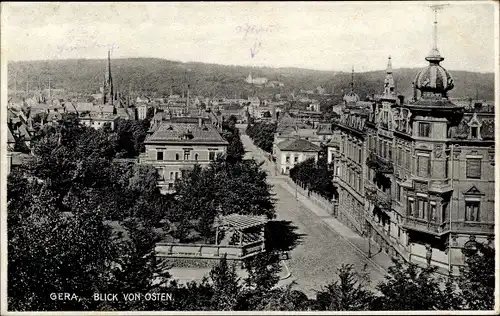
425	226
477	227
378	198
379	164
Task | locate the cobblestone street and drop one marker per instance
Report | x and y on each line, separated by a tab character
323	248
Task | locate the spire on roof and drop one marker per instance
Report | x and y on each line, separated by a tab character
434	55
389	87
352	79
109	81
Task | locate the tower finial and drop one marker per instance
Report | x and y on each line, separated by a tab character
434	55
389	66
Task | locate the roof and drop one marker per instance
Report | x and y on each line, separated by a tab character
172	132
20	158
324	129
240	222
107	109
333	143
10	137
122	113
298	145
84	106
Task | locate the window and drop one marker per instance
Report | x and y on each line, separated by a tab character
159	155
359	155
171	175
390	153
398	192
176	156
423	163
211	155
444	212
337	171
410	208
420	208
186	154
287	159
446	167
195	156
473	131
408	158
433	213
473	168
360	183
176	175
424	129
472	211
295	159
170	186
161	175
399	157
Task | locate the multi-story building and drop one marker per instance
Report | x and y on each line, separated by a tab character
422	169
349	163
174	147
293	151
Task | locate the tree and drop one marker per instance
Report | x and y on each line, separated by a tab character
346	294
221	189
262	276
53	252
225	286
136	269
477	279
230	132
130	137
284	299
262	134
59	212
314	176
409	288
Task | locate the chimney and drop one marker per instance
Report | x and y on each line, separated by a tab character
200	122
187	100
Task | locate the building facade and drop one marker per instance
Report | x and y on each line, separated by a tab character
417	176
174	147
294	151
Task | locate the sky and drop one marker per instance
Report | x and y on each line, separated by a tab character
323	35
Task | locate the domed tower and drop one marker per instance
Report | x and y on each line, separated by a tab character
434	81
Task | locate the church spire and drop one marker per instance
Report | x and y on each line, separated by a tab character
109	81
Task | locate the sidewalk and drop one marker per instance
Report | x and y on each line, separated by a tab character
381	260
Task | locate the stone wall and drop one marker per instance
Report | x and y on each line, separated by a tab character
194	262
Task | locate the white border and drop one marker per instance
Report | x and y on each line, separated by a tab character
3	218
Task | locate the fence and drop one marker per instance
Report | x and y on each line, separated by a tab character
207	251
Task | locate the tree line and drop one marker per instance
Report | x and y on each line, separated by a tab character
315	176
262	134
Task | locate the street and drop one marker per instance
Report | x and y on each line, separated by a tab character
322	250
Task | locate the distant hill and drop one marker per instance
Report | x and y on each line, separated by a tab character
156	75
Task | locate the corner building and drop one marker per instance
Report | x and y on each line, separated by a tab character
428	176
